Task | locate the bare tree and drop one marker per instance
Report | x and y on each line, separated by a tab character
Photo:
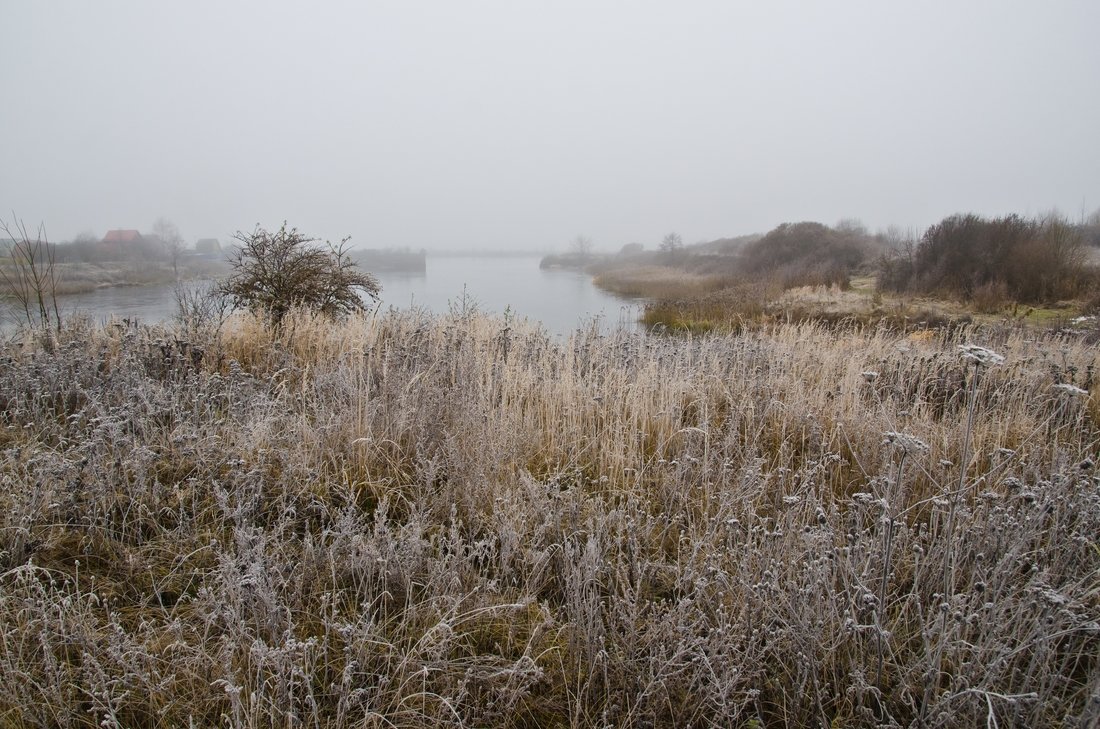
581	246
671	243
31	276
274	272
169	235
851	226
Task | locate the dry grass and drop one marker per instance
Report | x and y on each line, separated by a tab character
408	521
755	305
658	282
681	300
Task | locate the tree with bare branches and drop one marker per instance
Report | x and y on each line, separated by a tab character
30	275
274	272
672	243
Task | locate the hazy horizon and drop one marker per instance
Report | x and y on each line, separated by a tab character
515	126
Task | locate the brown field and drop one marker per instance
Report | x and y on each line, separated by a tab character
462	521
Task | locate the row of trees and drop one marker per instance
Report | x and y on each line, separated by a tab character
582	245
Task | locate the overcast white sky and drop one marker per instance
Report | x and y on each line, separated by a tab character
512	124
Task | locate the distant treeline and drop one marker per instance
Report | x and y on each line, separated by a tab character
145	248
968	257
792	254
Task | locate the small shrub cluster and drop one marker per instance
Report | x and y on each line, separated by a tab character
401	520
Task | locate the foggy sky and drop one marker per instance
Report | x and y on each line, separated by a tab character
511	124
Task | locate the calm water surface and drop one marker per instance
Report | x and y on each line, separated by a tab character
560	300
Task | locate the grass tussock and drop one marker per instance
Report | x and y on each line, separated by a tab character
416	521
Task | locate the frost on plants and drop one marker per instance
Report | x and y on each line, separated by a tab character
973	354
405	520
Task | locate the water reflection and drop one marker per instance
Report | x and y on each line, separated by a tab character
560	300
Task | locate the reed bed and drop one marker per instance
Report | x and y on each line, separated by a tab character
658	282
407	520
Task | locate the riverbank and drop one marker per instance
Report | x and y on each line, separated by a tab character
460	520
80	278
680	298
1038	272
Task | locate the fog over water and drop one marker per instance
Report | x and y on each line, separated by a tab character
516	125
558	300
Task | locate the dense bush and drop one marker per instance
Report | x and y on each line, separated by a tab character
807	254
1028	260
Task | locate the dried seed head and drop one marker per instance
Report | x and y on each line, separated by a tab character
904	442
980	356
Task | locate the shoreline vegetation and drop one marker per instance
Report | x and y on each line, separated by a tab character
457	520
142	269
1010	270
80	278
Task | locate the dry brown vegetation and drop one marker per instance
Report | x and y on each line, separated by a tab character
408	521
1032	260
965	268
657	281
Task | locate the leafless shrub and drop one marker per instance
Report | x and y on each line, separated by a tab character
30	277
1028	260
275	272
201	308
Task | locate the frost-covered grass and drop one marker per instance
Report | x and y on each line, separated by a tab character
408	521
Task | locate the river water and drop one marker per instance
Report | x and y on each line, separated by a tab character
560	300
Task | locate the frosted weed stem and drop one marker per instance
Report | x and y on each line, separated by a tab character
949	557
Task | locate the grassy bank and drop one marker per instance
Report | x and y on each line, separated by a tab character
408	521
79	278
654	281
1009	270
681	300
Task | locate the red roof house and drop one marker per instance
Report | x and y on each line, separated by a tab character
122	236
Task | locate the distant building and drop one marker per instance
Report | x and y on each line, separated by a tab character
122	236
208	246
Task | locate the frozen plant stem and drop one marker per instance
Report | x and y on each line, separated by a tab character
949	549
891	512
949	573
